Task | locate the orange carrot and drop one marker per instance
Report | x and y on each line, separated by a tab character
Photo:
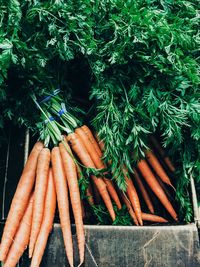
42	174
162	153
20	200
153	218
100	143
79	148
129	207
72	181
63	201
92	139
156	188
155	164
21	238
98	164
133	197
144	192
47	223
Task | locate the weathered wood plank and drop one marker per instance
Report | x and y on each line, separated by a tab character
152	246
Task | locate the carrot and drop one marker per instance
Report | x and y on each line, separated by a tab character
92	140
133	197
155	164
20	200
72	181
162	153
47	222
143	191
98	164
41	182
156	188
63	201
79	148
129	207
153	218
89	194
21	238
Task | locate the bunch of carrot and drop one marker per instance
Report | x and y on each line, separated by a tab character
47	176
51	176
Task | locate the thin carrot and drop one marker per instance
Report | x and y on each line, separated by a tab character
79	148
129	207
72	181
153	218
165	189
143	191
63	201
47	223
100	143
92	139
42	174
21	238
20	200
156	188
98	164
162	153
133	197
155	164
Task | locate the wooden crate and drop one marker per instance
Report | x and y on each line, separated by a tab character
109	246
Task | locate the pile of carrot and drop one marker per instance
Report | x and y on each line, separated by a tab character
50	177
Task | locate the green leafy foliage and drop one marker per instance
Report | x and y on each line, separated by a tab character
142	65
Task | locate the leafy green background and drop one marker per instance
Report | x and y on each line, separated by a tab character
136	60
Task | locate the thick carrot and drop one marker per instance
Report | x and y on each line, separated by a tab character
21	238
79	148
47	223
41	182
156	188
155	164
133	197
153	218
92	139
20	200
143	191
72	181
129	207
98	164
63	201
162	153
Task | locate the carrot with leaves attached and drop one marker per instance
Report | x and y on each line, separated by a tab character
42	174
129	207
63	201
72	181
155	187
92	139
47	223
143	191
157	167
162	153
133	197
80	150
20	200
21	238
98	164
153	218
